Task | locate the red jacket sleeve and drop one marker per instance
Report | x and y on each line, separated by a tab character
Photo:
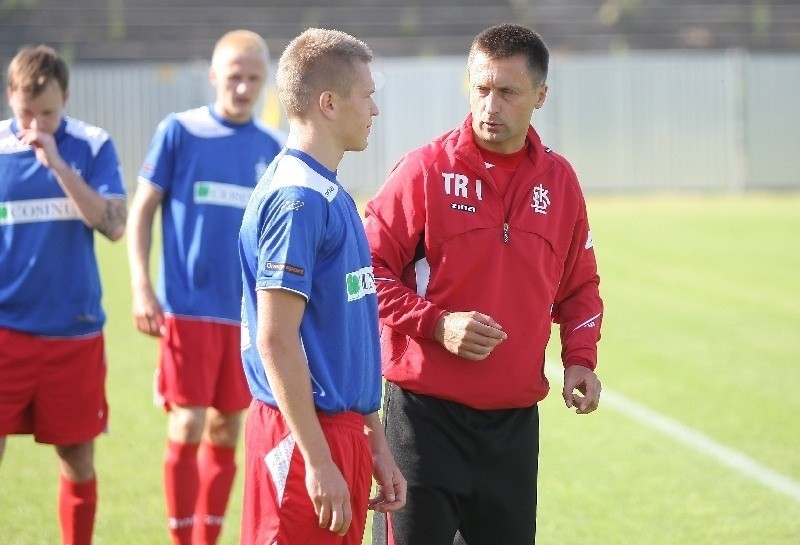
395	227
578	308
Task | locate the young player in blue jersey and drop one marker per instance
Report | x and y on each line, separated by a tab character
60	181
201	168
310	317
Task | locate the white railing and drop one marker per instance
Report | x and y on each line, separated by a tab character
635	122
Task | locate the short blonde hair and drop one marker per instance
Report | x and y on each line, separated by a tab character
33	68
243	41
317	60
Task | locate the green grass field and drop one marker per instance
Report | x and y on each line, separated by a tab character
702	326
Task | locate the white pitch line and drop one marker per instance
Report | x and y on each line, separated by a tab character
701	443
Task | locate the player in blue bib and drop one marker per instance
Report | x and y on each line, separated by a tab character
303	234
204	168
310	315
201	168
46	242
60	181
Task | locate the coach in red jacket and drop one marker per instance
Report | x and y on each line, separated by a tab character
480	240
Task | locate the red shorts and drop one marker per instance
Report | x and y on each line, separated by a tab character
53	388
201	366
277	508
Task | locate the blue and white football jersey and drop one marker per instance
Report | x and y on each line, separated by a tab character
206	168
302	232
49	281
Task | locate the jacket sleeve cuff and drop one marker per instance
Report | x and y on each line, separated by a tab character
581	358
427	328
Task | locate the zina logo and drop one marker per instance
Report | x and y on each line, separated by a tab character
359	284
463	207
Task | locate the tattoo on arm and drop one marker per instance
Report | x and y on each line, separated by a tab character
112	225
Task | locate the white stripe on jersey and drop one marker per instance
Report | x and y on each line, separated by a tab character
199	122
94	136
292	171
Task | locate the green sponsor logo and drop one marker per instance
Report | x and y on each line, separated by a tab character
221	194
353	285
359	283
37	210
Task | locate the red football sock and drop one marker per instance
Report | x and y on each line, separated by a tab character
217	466
181	483
77	504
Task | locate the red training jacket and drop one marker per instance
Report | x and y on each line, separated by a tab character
442	241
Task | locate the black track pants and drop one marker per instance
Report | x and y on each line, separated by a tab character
468	470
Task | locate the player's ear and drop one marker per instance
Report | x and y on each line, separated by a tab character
212	75
327	104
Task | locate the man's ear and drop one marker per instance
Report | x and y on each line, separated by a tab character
541	95
327	104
